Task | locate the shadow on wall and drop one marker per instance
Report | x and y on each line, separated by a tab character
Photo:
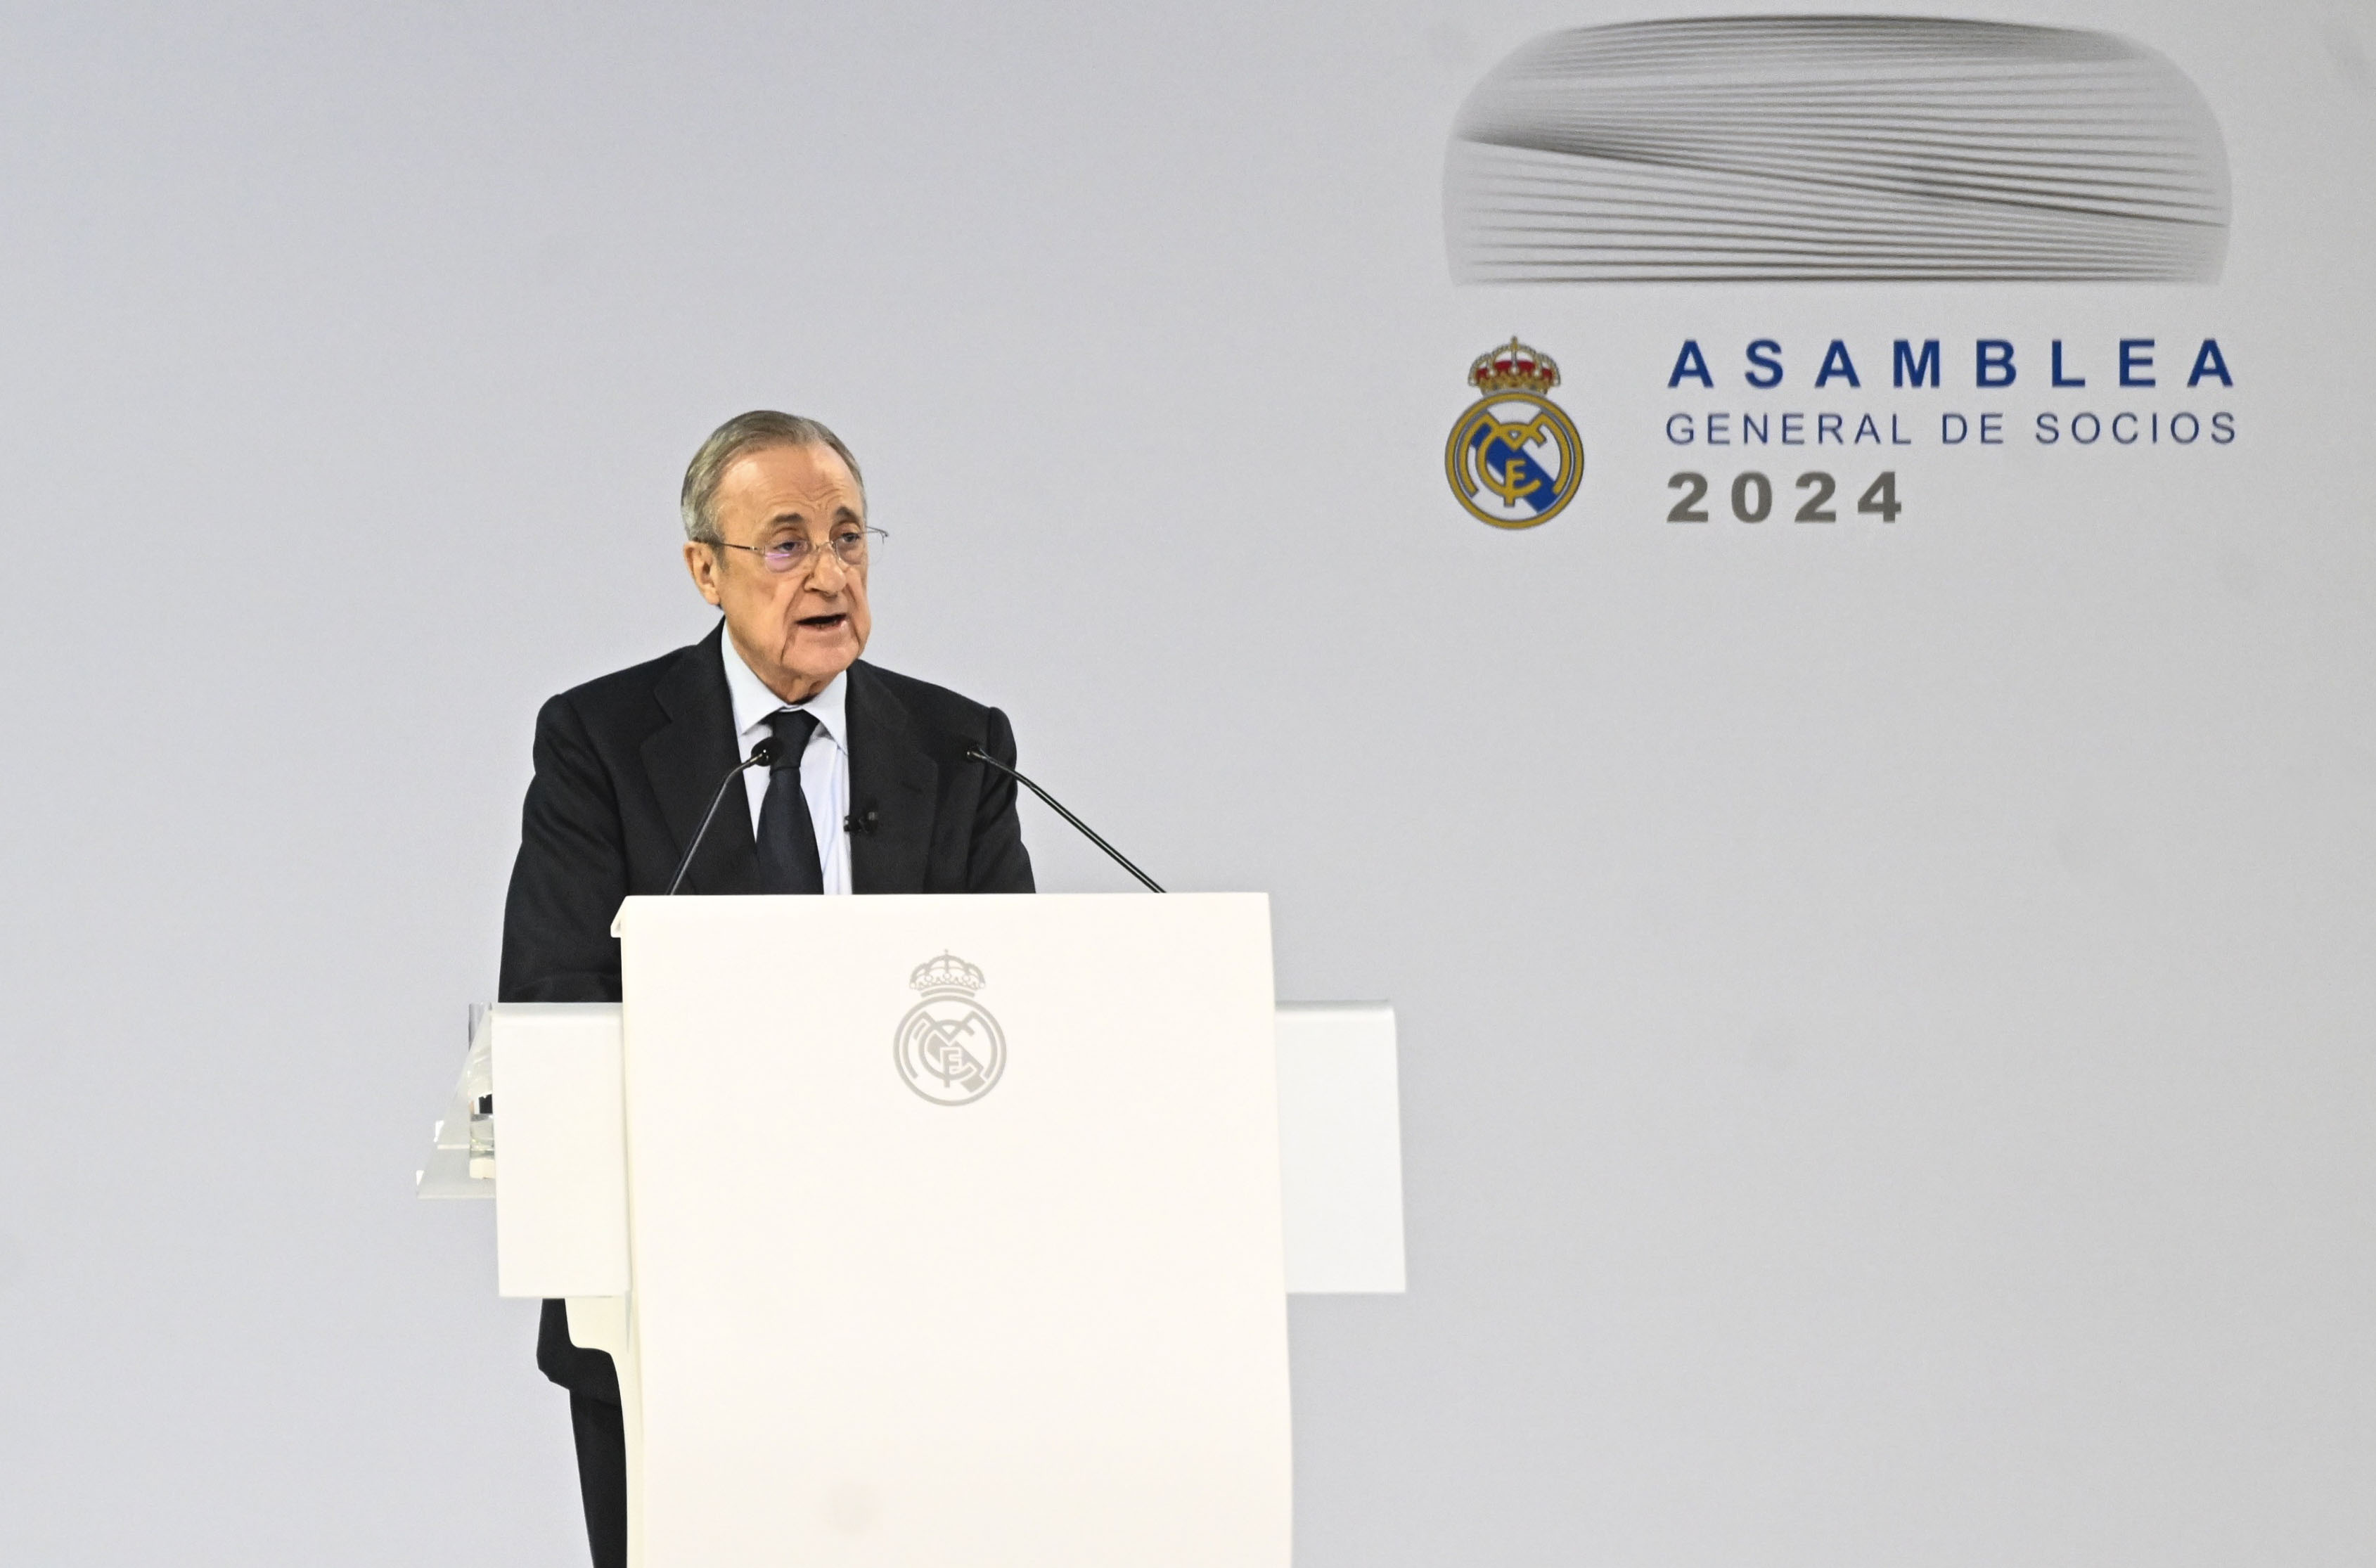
1828	148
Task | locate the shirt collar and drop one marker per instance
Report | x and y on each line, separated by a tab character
754	703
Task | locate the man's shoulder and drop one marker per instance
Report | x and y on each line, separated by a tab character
935	707
633	696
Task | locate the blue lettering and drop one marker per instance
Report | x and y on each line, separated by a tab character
2136	357
1691	363
1836	362
1995	363
2208	361
1905	370
1760	354
2060	379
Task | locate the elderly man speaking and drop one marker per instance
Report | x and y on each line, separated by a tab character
869	791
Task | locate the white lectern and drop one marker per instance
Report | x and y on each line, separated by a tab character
937	1230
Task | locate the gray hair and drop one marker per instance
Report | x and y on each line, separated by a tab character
742	434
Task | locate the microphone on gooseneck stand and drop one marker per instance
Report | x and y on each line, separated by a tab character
762	756
977	754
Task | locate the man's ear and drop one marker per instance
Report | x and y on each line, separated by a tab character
702	561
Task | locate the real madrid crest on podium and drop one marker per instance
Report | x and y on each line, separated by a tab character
1514	458
948	1048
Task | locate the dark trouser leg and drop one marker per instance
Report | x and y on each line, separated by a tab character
602	1476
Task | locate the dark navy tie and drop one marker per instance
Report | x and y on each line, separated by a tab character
787	846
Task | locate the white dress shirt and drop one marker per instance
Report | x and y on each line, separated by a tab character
824	766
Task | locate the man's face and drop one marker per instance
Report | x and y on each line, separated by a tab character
798	629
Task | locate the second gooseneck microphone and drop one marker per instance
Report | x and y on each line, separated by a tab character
977	754
762	756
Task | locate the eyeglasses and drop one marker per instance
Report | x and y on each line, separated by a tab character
849	545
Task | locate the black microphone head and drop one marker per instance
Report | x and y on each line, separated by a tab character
763	754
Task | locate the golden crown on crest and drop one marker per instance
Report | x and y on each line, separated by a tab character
1514	368
948	972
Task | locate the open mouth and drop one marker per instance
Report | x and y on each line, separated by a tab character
822	622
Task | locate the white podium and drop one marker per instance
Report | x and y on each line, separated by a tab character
943	1230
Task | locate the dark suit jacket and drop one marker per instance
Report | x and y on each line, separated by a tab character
626	764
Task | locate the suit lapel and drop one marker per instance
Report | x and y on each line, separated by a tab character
891	776
686	758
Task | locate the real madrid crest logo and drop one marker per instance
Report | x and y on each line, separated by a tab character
1514	458
947	1047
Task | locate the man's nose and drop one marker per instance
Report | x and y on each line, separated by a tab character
828	576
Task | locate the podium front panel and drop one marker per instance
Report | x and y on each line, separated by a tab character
955	1231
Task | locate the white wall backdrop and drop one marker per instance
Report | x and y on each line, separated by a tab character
1886	1012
